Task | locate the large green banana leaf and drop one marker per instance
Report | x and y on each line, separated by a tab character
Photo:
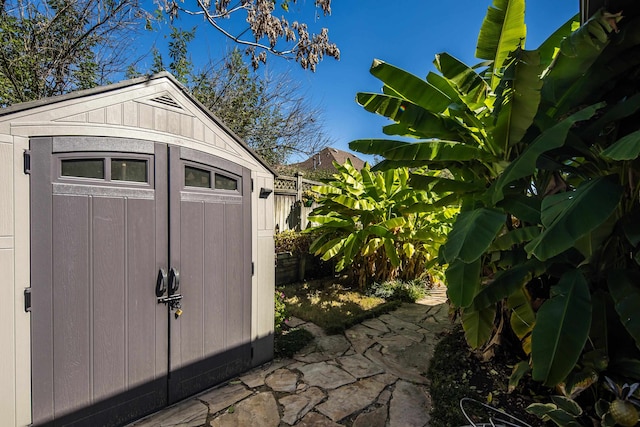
523	318
525	164
370	185
444	86
502	32
626	148
463	282
478	325
561	330
471	87
525	208
613	113
391	251
435	150
417	118
548	47
568	216
330	248
515	237
518	98
411	87
444	185
504	284
332	221
578	52
624	286
401	129
472	234
593	85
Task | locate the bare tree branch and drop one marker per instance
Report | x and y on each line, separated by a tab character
49	47
306	49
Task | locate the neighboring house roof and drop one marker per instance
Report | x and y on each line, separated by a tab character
324	159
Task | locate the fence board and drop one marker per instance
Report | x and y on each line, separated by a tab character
289	212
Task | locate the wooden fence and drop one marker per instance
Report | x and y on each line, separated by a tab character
290	211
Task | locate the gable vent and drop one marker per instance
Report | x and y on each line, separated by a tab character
167	100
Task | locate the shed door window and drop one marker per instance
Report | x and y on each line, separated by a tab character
83	168
133	170
226	183
201	178
118	169
195	177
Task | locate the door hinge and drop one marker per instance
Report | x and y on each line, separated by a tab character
252	185
253	268
27	162
27	300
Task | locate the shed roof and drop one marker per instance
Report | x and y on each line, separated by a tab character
139	81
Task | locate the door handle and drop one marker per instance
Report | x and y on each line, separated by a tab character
161	283
174	281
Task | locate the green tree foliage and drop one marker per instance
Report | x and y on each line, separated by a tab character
51	47
542	148
268	113
181	65
368	222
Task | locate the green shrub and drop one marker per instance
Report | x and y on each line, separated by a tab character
281	312
369	223
293	242
407	291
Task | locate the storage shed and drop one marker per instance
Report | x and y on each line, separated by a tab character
136	250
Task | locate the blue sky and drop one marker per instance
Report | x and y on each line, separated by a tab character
404	33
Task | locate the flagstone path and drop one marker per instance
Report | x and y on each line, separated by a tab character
373	375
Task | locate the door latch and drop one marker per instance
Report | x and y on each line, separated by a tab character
173	298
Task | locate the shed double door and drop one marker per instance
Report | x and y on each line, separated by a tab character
141	277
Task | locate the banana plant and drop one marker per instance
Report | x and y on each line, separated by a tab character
366	221
540	148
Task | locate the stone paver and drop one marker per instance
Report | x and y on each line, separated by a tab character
294	322
360	338
334	345
398	342
392	366
296	406
222	398
376	324
282	380
313	419
256	377
259	410
374	418
351	398
409	406
325	376
398	324
373	375
359	366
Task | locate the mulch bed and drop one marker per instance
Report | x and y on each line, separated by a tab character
455	372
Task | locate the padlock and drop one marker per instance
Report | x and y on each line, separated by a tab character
178	313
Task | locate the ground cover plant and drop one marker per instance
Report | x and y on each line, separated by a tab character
406	291
332	305
287	340
540	149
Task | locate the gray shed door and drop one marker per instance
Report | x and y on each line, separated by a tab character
118	227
